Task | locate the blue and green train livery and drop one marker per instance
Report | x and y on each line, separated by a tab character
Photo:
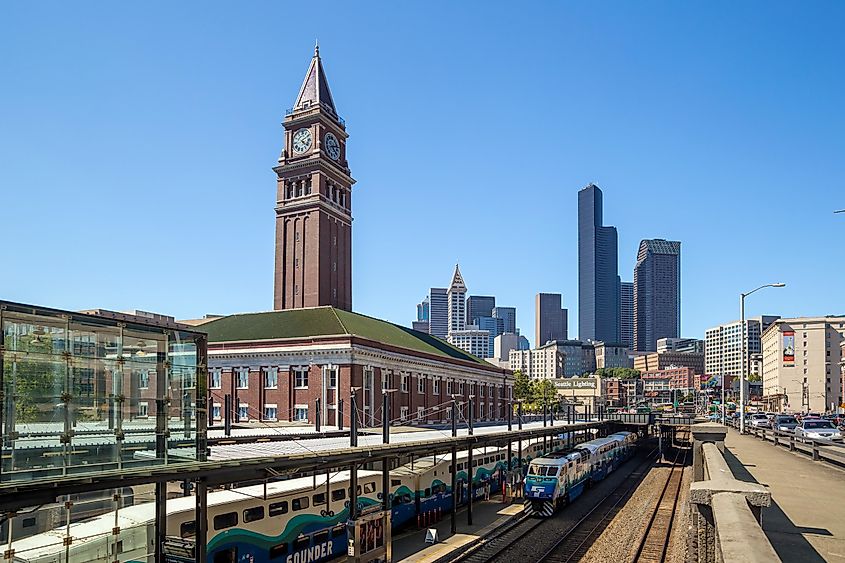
556	479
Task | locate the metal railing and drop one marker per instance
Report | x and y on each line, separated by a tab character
819	449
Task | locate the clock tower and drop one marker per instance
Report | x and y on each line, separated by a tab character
313	202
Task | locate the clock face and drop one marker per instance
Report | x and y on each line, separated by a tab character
332	146
301	141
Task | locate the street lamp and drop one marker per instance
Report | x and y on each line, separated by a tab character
742	338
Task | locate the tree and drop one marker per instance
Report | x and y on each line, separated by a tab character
521	386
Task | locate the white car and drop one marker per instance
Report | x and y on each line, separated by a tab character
817	429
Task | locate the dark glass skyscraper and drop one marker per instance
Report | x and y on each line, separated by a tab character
479	306
598	271
626	314
657	293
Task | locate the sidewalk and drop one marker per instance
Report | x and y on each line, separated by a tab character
806	521
410	547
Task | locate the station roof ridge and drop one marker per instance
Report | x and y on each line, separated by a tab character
327	321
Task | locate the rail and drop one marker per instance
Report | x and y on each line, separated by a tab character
725	515
654	542
819	449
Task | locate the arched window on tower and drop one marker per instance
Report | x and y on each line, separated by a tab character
299	188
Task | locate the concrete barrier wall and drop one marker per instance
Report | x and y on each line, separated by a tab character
725	513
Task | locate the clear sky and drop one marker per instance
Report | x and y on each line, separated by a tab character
137	140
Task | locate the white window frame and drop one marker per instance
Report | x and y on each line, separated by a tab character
243	408
215	379
300	374
143	409
332	375
449	386
269	373
403	413
421	384
216	411
420	414
300	413
403	379
144	379
435	385
275	408
242	372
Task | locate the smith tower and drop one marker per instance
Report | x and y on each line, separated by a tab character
313	202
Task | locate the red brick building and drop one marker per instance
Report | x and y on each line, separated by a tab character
679	378
277	365
313	202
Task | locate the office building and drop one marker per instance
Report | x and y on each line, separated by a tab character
626	314
313	202
508	316
801	364
657	293
503	344
479	306
471	339
456	301
492	325
723	345
611	356
598	271
438	312
523	343
545	362
424	309
550	319
682	345
655	361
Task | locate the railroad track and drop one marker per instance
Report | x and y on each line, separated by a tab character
576	541
655	539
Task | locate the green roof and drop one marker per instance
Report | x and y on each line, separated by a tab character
328	321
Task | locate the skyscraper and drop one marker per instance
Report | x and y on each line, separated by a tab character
424	309
626	314
313	202
508	316
492	325
438	312
657	293
456	298
598	271
550	321
479	306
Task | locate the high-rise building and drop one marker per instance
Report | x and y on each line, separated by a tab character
550	320
801	361
456	297
503	344
657	293
723	345
508	316
471	339
424	309
313	202
685	345
492	325
479	306
544	362
598	271
626	314
438	312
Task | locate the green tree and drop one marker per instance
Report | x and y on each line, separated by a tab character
521	386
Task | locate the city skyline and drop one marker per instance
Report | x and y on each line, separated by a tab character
86	130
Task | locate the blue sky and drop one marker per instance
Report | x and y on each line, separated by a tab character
137	142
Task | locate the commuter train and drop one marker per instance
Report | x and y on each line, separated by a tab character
299	520
556	479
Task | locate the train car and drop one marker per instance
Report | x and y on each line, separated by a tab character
292	521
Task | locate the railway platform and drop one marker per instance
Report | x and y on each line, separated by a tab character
410	547
806	520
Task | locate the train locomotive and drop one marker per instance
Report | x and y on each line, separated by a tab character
558	478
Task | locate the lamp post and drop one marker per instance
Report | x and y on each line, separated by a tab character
744	359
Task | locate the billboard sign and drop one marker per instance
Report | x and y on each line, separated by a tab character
576	383
788	349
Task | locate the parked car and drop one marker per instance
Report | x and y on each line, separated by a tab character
759	420
817	429
785	423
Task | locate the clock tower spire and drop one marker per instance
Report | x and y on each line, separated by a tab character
313	202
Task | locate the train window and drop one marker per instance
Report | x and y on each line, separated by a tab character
228	520
279	551
369	487
395	482
359	491
460	467
300	503
338	494
427	493
320	537
28	522
319	498
253	514
301	543
226	556
278	508
188	529
339	530
474	463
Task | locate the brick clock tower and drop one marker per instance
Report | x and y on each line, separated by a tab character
313	202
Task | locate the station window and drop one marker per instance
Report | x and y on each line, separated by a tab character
300	376
227	520
253	514
278	508
300	503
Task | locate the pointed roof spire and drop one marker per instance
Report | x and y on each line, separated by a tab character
315	88
457	280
